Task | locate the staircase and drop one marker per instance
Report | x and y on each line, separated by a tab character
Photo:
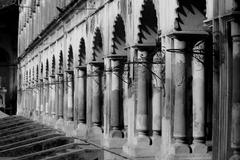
24	139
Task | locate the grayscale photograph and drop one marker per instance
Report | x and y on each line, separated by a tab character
119	79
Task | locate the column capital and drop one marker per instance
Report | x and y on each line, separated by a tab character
84	68
52	76
188	35
144	46
60	74
235	28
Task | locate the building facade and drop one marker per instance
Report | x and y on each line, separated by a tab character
152	78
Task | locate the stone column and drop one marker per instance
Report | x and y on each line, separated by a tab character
60	96
52	87
56	98
81	106
235	139
96	95
41	96
60	106
179	132
37	98
116	99
51	94
81	130
70	109
157	95
46	95
198	97
142	117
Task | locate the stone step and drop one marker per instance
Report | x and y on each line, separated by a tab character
23	132
74	154
29	140
27	135
14	124
36	146
19	128
10	118
45	153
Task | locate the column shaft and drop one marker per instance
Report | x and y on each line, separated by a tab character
81	95
116	99
60	95
46	96
198	94
52	95
180	88
41	95
142	95
235	140
96	95
70	108
56	98
157	95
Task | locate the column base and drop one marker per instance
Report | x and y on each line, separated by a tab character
235	157
70	129
60	124
114	143
95	134
116	134
141	147
199	148
81	131
156	143
180	148
52	120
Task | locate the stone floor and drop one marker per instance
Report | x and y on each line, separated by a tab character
24	139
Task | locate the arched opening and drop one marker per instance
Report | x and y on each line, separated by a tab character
70	58
82	53
37	73
41	70
53	65
97	48
60	63
47	69
119	37
148	24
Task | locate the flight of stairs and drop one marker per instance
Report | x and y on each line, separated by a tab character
24	139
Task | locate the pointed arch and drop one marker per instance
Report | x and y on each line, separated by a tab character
148	23
119	36
70	58
53	65
29	75
33	73
190	15
41	70
37	72
47	69
60	63
82	53
97	48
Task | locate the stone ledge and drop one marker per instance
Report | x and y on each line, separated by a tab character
207	156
